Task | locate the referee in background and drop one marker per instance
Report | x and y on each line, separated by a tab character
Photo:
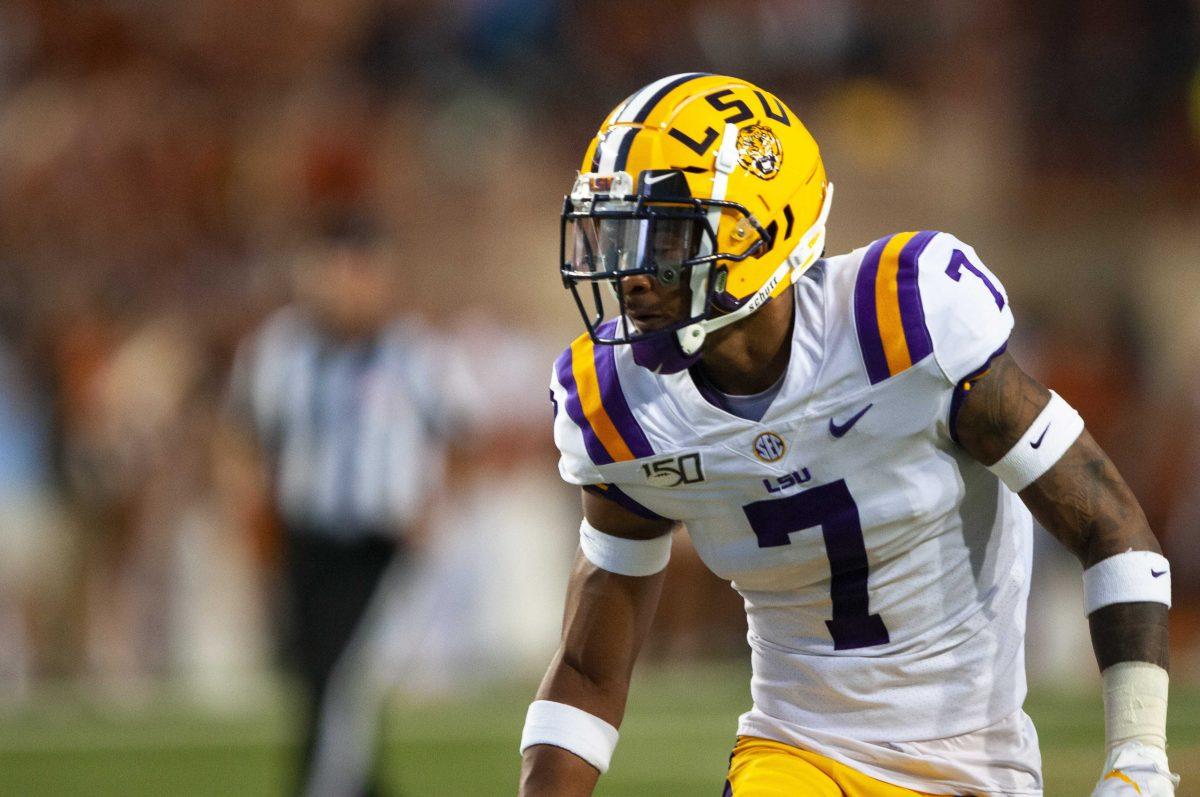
346	405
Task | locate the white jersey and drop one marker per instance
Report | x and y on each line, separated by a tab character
885	572
355	430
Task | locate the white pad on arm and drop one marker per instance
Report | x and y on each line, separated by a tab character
1129	577
570	728
1042	445
1135	704
623	556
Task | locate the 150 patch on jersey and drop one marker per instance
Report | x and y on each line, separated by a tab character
674	471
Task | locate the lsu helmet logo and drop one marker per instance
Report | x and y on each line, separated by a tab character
702	154
759	151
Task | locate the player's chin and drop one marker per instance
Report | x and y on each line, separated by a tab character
646	324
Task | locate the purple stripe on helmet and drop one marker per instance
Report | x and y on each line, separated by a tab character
613	398
621	498
866	319
728	790
566	378
644	113
912	314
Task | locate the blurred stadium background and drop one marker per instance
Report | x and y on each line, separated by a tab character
161	164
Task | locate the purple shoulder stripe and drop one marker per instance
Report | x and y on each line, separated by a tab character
613	405
613	397
912	313
566	378
866	318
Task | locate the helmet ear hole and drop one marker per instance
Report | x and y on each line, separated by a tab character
772	232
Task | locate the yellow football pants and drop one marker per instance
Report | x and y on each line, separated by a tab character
764	768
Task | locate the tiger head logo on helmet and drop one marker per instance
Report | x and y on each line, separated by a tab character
704	181
759	151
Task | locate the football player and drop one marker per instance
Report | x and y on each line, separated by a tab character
848	443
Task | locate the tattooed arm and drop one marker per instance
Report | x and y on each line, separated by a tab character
1082	501
1085	503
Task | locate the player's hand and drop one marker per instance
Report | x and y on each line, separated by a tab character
1134	769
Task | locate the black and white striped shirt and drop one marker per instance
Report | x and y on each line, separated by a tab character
354	429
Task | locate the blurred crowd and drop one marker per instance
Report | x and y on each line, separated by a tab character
162	165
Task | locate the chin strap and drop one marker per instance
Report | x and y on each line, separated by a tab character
691	337
806	252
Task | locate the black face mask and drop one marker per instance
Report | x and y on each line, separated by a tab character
660	231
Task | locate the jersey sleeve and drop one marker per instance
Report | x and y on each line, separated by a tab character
594	424
927	294
967	311
574	464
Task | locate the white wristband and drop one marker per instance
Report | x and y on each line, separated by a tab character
570	728
1128	577
1043	444
1135	704
623	556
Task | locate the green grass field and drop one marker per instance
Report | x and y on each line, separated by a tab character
675	741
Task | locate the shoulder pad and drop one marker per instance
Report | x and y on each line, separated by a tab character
926	293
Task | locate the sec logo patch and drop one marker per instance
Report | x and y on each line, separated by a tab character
769	447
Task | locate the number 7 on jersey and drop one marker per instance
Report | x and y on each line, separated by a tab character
831	507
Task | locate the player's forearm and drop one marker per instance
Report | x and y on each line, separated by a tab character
1084	502
552	771
605	621
607	616
1130	632
597	689
548	771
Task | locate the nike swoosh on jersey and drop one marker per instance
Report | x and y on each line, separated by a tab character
1038	443
1157	573
838	430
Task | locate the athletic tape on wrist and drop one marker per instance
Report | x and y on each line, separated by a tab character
1128	577
622	556
572	729
1135	704
1042	445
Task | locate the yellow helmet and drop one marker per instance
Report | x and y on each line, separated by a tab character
699	177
